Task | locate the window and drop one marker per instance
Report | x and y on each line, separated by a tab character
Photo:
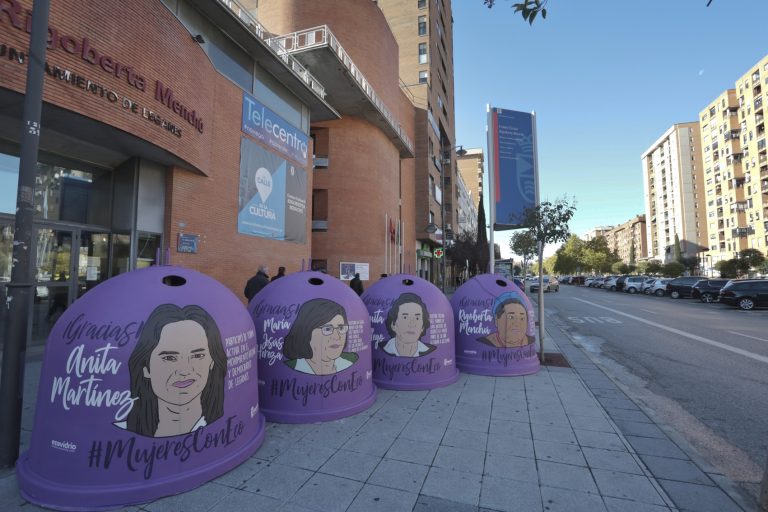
432	217
422	4
422	77
422	53
422	25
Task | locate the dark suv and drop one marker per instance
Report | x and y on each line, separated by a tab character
681	287
707	290
745	293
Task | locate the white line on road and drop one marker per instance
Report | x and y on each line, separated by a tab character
745	353
747	336
648	311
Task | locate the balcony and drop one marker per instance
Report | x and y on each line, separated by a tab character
739	206
348	89
742	232
243	28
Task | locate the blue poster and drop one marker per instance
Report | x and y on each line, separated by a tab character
514	165
273	195
273	131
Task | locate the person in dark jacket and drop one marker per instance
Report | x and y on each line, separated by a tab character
257	282
356	284
280	273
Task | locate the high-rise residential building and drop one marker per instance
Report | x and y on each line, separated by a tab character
674	194
629	240
470	166
736	168
424	33
724	178
596	232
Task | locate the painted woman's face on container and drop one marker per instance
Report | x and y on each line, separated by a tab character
180	363
513	324
409	322
328	340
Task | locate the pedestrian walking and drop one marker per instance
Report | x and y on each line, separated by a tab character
280	273
356	284
257	282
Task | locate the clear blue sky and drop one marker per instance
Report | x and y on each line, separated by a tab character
606	79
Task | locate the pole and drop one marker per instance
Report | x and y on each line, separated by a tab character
442	222
764	488
491	195
20	288
541	301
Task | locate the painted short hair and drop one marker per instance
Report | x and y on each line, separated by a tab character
311	315
407	298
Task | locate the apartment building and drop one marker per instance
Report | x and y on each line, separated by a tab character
467	212
470	166
363	188
629	240
675	205
596	232
424	33
736	168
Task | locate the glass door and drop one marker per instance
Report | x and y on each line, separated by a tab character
92	259
54	273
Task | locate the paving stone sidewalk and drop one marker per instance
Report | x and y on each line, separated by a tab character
541	442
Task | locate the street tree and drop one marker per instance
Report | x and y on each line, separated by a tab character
548	222
530	9
524	245
672	269
753	257
620	268
632	253
597	256
654	267
677	254
482	238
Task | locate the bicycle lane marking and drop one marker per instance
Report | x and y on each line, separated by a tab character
735	350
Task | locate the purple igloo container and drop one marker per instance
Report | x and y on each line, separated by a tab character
412	334
314	339
495	328
148	388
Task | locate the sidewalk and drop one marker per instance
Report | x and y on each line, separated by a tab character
565	439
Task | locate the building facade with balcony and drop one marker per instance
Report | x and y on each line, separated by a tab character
467	211
629	240
154	142
674	193
736	168
363	193
596	232
471	167
424	33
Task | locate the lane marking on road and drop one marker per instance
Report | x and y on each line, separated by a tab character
735	350
648	311
747	336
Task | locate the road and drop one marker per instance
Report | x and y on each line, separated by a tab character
700	368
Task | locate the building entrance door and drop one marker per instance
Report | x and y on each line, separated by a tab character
67	263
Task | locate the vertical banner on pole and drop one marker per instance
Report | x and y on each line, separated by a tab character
512	162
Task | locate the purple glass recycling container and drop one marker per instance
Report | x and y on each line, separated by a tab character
314	339
412	334
495	328
148	388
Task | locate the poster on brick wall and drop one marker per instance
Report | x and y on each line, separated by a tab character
273	195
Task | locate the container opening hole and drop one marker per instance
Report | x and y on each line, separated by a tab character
315	281
408	282
501	283
174	281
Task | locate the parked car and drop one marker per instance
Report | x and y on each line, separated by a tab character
633	284
681	286
659	287
550	285
647	284
520	284
707	290
620	282
610	283
745	293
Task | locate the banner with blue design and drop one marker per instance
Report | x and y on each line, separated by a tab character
273	131
513	157
273	195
